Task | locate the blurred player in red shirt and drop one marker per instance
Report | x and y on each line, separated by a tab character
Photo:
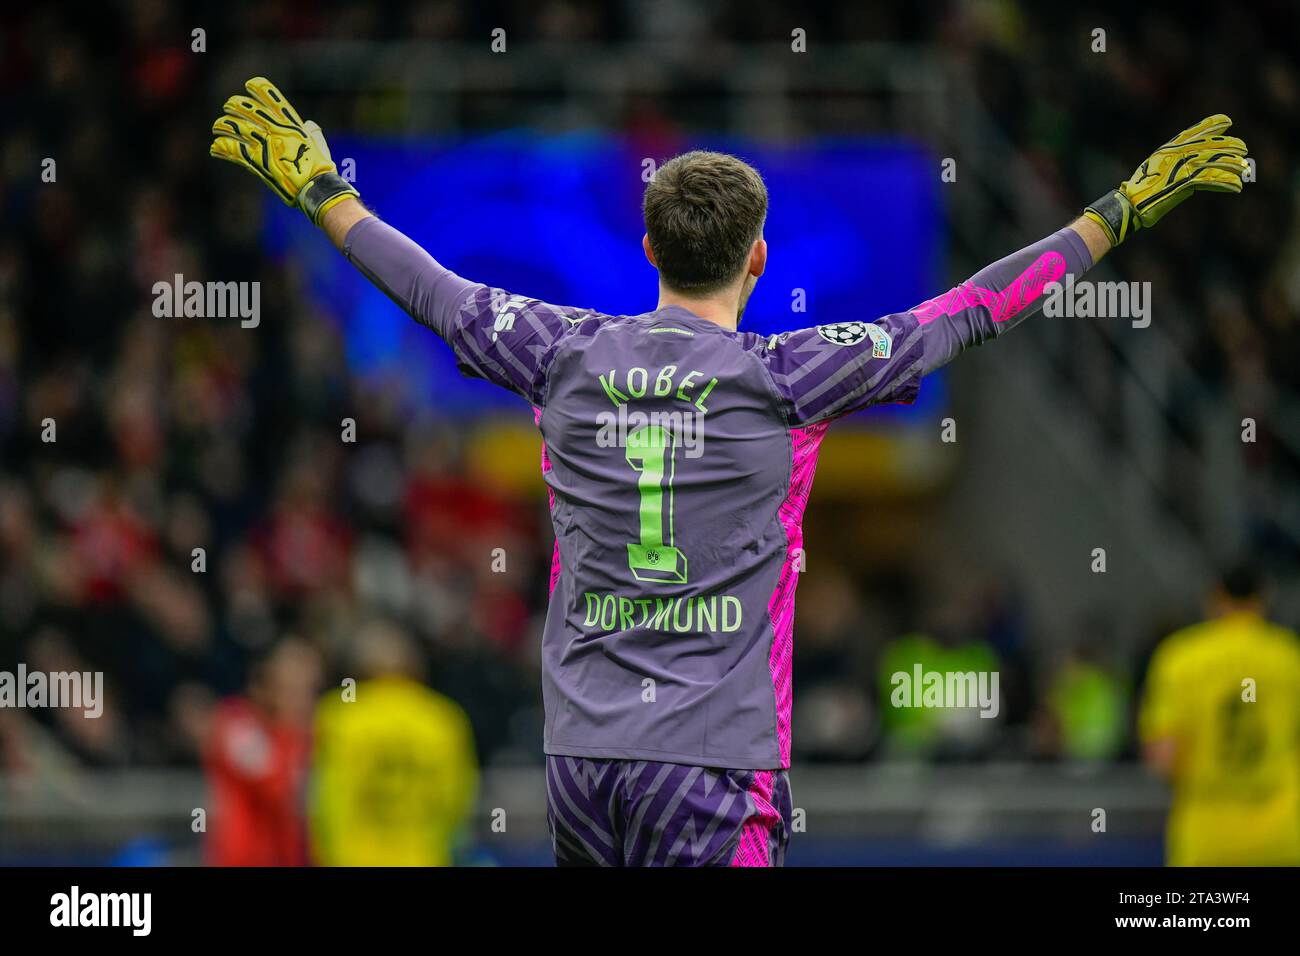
256	762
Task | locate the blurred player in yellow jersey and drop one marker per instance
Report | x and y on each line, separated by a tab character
395	774
1221	718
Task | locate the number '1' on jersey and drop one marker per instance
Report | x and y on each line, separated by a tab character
679	458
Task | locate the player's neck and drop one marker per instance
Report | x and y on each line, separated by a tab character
720	310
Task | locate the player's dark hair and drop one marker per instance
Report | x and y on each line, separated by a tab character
1242	581
703	212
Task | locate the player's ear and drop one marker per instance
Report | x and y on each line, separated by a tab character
758	257
649	253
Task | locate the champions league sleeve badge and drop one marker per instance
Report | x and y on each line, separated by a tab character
853	333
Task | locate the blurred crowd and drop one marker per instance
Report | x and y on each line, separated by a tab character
1226	272
174	496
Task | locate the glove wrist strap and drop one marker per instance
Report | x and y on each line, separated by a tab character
323	192
1115	215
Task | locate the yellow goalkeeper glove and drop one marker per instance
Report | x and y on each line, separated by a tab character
1199	157
261	132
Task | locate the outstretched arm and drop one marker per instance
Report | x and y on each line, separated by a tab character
495	335
1004	294
337	221
831	370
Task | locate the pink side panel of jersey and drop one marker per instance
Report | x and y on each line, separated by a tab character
550	497
805	443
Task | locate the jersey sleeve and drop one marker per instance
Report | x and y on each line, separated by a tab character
999	297
830	370
504	338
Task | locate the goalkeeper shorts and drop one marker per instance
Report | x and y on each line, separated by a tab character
643	813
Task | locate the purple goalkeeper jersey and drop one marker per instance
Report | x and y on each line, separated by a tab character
679	457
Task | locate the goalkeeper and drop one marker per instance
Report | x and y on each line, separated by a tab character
675	573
